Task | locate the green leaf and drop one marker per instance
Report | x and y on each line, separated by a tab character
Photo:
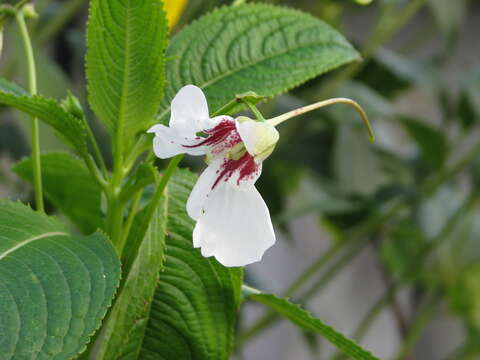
404	250
54	287
391	73
464	295
67	183
252	47
124	331
125	62
356	166
7	86
469	100
47	110
304	320
195	306
432	142
449	15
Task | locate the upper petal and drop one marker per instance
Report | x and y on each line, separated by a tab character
169	142
235	225
211	123
188	109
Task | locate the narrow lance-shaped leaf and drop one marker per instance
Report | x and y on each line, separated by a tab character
47	110
257	47
54	287
195	306
125	328
69	186
304	320
125	60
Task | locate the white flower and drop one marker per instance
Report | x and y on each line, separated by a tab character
233	221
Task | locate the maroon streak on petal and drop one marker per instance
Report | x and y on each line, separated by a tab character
246	166
221	137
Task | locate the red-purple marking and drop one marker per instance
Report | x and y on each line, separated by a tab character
246	166
221	137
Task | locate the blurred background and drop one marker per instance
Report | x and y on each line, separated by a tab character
379	240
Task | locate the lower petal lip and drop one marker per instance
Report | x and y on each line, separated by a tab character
236	227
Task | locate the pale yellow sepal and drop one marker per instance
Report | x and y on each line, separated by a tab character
259	137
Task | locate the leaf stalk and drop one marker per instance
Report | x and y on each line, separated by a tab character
32	85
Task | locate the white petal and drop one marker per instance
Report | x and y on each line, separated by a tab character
258	137
168	142
210	123
188	109
235	226
202	188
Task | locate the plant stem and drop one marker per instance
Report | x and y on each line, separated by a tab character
129	222
142	145
94	171
313	268
115	205
304	109
162	184
151	207
422	319
255	111
376	310
96	150
32	85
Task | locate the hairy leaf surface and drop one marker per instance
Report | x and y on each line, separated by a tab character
54	287
127	322
257	47
125	62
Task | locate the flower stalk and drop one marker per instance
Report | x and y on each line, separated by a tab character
32	85
304	109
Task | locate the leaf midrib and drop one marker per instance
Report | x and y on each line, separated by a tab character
125	86
29	240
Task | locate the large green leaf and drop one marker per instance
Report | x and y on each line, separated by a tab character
124	331
195	305
304	320
258	47
47	110
67	183
54	287
125	62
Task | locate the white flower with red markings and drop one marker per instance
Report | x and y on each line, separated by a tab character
233	221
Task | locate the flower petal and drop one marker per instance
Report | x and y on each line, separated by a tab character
202	188
188	109
168	142
210	123
259	137
235	226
